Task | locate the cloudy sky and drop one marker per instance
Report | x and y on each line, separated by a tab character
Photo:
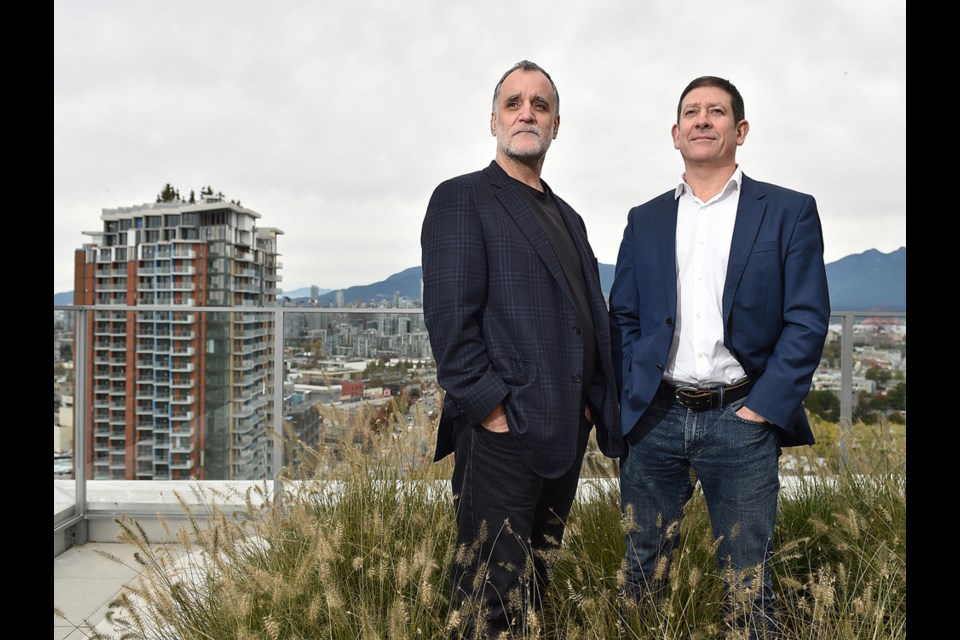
336	120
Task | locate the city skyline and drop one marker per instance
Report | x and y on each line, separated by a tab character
339	129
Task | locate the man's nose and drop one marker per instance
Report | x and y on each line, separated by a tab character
526	113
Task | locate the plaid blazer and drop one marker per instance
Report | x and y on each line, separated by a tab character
503	323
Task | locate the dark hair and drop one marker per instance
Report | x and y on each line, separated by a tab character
526	65
713	81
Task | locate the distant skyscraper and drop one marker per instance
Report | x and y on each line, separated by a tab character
314	293
338	299
174	393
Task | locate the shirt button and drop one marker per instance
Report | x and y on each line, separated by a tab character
669	322
577	378
576	329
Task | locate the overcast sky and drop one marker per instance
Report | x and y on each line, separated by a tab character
336	120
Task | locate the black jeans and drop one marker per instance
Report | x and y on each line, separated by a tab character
509	519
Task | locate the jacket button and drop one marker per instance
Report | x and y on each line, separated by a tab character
659	367
576	329
669	322
577	378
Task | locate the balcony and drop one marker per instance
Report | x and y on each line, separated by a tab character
185	447
182	270
86	508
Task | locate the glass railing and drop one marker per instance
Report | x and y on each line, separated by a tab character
147	399
172	395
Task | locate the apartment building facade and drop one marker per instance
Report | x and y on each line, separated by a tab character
176	393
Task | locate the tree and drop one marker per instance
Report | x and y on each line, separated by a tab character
168	194
898	397
823	403
878	375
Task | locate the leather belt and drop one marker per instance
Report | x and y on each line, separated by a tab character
703	398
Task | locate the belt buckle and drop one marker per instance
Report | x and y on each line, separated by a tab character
684	401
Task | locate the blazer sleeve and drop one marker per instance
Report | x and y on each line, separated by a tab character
454	297
780	389
624	304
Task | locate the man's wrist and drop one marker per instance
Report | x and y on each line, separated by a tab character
496	420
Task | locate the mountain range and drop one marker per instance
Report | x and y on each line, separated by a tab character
868	281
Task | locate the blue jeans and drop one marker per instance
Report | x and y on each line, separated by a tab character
735	461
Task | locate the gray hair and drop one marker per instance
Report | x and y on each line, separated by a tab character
526	65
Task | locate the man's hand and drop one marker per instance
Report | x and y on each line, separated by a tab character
497	420
749	414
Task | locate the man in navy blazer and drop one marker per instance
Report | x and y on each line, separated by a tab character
520	332
719	313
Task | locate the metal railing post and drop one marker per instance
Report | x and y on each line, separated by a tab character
846	384
278	379
80	325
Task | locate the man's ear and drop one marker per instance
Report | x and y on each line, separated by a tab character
743	127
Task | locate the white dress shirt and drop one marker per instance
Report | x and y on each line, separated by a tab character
704	233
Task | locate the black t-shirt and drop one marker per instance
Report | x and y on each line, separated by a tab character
551	223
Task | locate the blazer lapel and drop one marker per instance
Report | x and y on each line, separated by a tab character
514	204
666	235
749	216
590	270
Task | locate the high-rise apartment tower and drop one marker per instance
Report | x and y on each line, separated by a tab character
175	393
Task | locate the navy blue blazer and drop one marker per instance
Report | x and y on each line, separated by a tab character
776	307
503	322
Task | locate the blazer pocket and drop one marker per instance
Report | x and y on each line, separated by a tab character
512	371
763	247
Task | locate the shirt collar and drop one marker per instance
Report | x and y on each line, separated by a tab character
733	184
